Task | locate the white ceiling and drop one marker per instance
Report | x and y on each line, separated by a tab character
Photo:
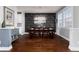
39	9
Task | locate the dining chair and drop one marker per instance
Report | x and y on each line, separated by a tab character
51	32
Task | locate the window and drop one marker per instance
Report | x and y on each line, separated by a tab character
65	17
68	20
60	20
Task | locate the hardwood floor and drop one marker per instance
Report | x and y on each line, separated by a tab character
35	44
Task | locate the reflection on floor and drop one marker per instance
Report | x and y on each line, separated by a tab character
45	44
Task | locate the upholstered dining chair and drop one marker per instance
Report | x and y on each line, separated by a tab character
51	32
31	32
45	32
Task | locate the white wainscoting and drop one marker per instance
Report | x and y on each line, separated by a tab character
74	39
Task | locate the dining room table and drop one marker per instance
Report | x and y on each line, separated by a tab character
41	31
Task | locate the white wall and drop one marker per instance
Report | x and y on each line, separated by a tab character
76	17
21	19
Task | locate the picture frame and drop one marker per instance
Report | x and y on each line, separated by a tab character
8	16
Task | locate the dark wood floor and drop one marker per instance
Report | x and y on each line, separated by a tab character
45	44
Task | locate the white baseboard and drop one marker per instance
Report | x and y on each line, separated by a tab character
74	48
63	37
6	48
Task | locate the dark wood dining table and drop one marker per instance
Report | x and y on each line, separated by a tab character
41	32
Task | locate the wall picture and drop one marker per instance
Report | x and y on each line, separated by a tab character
8	16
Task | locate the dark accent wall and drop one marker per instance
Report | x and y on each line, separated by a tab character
29	20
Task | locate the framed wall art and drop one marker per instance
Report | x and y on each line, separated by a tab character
8	16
